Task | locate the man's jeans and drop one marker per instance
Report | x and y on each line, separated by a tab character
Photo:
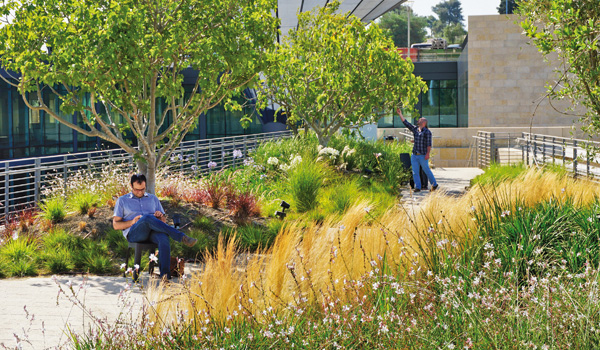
418	162
150	228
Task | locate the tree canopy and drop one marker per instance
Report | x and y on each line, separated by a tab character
449	12
512	6
396	23
569	29
128	57
333	72
449	22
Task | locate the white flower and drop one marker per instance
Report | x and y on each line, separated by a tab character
152	258
248	161
237	153
272	161
211	165
15	236
329	152
123	266
136	267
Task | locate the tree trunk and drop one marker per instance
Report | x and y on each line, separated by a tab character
323	140
150	172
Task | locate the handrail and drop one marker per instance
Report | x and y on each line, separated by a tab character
22	180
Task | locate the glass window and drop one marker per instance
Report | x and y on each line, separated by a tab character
439	105
4	127
20	118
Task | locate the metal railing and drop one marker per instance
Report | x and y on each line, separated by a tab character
501	148
23	180
575	155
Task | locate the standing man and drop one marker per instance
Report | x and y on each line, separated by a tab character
142	218
421	150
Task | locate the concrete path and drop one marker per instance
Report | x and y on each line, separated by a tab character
451	181
38	314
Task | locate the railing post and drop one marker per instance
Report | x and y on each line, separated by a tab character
65	172
492	149
534	149
6	189
553	156
196	146
587	160
544	149
528	145
523	148
575	158
564	153
36	185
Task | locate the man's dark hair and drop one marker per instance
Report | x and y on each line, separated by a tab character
139	178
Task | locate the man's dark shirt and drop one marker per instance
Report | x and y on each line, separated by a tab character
422	138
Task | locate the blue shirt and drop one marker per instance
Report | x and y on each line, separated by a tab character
422	138
129	206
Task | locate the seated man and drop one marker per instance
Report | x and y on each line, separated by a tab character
142	218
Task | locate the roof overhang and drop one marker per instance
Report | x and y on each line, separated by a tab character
366	10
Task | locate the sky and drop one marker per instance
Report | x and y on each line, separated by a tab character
469	7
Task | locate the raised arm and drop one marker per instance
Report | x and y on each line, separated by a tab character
405	122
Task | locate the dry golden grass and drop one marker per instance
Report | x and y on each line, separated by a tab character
315	263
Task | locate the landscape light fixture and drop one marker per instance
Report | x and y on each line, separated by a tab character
284	205
176	221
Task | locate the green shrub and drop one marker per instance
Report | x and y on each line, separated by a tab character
341	196
59	238
496	173
250	237
305	183
82	201
275	226
204	223
93	257
116	242
20	257
58	261
549	232
53	209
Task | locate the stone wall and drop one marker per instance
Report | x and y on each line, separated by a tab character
508	77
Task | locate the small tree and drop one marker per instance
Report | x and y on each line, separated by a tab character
129	57
334	72
570	29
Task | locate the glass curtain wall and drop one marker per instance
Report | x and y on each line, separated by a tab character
439	105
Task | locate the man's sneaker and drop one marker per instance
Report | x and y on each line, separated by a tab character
416	190
189	241
434	187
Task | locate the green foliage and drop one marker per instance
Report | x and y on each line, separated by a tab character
305	183
58	260
19	257
496	173
143	46
569	29
251	237
204	223
332	71
82	201
116	242
549	232
340	196
53	209
396	23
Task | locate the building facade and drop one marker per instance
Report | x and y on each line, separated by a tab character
501	86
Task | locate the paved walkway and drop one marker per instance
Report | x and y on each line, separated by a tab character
110	297
451	181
